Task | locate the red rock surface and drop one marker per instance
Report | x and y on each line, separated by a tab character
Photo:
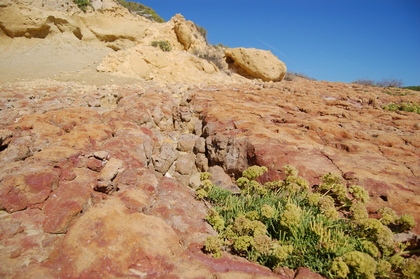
80	196
83	192
319	127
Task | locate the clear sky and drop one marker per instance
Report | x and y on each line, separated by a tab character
333	40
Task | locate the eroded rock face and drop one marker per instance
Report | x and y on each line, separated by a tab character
150	63
94	180
116	27
88	198
74	154
30	22
107	40
255	63
67	6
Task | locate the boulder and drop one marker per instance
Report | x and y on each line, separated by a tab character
179	33
187	142
201	162
255	63
200	145
185	164
232	153
222	179
188	34
166	157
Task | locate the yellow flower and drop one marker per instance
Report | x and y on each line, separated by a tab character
254	172
388	215
361	264
339	268
267	211
213	245
290	217
262	244
359	193
242	243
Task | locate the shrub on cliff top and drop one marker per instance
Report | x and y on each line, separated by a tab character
141	10
386	82
415	88
282	223
292	75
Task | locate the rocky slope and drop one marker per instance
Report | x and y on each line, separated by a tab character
97	170
114	41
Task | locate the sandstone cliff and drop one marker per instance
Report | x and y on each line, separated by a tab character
103	138
114	41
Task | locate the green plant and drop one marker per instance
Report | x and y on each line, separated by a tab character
83	4
202	31
141	9
397	92
415	88
404	106
284	223
165	46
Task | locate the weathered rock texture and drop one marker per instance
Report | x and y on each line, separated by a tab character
319	127
82	191
255	63
96	180
114	41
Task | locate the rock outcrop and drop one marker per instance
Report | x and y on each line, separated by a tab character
180	64
98	170
83	191
344	130
30	22
150	63
255	63
128	38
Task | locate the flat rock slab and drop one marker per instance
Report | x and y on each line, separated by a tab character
56	222
319	127
89	199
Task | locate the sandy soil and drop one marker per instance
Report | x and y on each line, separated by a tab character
57	58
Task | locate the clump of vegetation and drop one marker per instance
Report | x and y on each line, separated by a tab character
202	31
283	223
415	88
83	4
141	9
163	45
394	91
215	55
292	75
404	106
386	82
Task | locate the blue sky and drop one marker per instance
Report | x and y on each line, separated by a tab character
333	40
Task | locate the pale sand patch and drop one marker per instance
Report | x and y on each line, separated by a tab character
63	58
